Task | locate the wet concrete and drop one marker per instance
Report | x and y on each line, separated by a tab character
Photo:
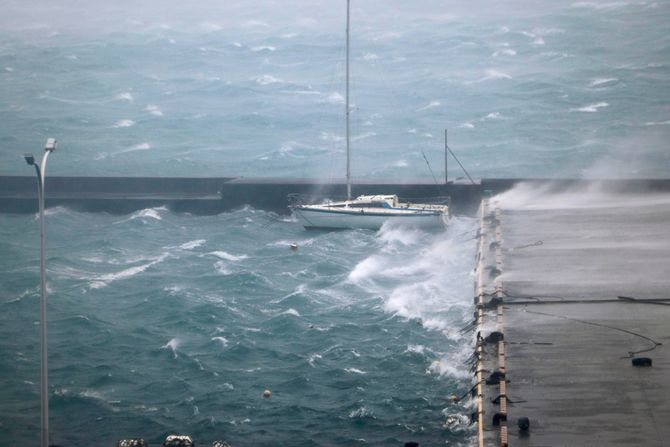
569	339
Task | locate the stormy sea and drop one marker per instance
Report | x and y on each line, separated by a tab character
163	322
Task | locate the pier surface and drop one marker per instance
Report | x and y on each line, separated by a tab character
582	288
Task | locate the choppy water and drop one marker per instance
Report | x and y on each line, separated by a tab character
527	89
163	321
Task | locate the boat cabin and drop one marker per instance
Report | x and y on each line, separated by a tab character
377	201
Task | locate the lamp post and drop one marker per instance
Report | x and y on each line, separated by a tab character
49	147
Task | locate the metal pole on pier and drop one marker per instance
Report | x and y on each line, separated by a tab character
49	147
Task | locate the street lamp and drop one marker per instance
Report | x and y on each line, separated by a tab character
49	147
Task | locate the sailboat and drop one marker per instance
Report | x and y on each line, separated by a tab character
366	211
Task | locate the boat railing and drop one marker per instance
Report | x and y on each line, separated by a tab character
432	200
296	199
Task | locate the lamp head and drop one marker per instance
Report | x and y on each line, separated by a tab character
30	159
50	145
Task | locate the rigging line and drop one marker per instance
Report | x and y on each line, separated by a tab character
429	168
460	164
592	323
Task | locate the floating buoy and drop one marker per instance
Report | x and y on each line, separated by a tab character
454	398
267	393
293	246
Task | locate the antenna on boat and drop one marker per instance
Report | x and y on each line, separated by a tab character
347	108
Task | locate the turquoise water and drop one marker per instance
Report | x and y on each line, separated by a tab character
526	89
165	322
162	322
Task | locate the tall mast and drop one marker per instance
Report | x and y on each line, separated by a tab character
347	109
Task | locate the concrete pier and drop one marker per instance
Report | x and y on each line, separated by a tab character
578	286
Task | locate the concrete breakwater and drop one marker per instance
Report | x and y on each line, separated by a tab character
213	195
205	195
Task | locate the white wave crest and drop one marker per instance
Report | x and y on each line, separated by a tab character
361	413
504	52
138	147
227	256
291	311
419	349
490	75
263	48
590	108
192	244
366	268
335	98
103	280
355	371
152	213
222	340
124	123
598	82
394	235
313	358
430	105
450	368
266	79
54	211
172	345
494	116
363	136
125	96
154	110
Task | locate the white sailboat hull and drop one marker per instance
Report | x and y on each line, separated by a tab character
373	221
